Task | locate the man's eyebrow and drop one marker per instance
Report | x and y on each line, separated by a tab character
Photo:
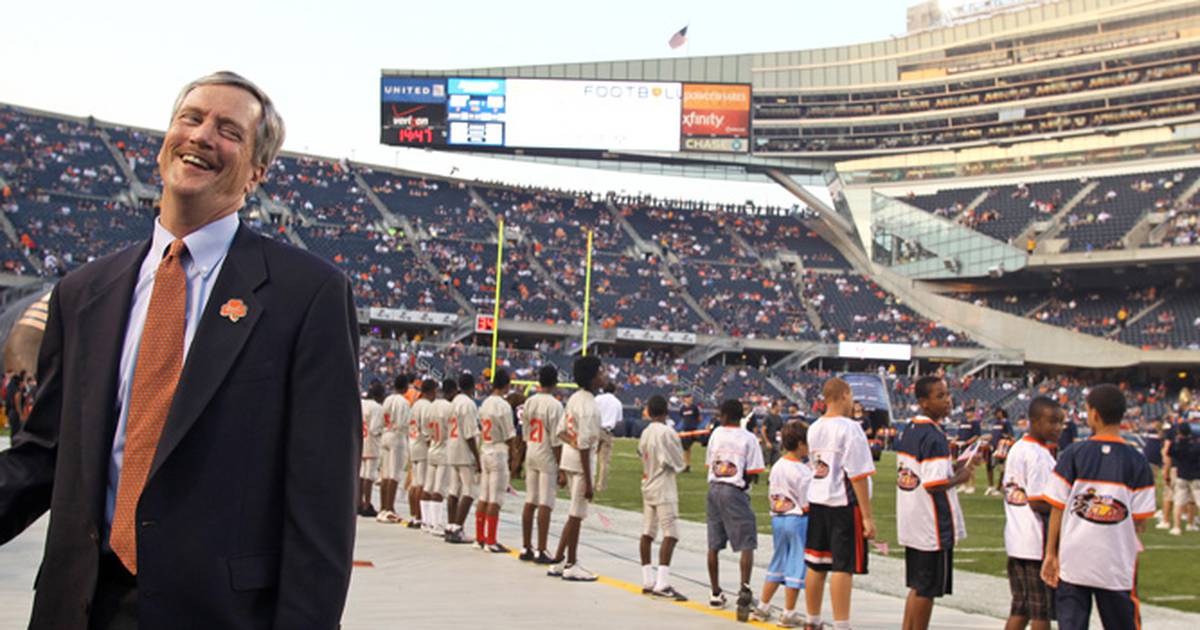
221	120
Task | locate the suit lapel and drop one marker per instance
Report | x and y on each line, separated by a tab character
218	340
105	314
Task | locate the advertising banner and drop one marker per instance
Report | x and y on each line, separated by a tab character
715	117
413	112
880	351
638	334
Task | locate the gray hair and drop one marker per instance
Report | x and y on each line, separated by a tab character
269	133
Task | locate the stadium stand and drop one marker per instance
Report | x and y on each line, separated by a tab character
1108	213
1005	211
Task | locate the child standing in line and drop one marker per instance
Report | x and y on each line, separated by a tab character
662	458
790	477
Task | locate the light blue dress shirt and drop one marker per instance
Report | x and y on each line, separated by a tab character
206	250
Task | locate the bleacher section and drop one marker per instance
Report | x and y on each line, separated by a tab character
1113	208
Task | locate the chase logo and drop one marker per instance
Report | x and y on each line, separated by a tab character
1098	508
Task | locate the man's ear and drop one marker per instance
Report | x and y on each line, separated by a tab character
260	173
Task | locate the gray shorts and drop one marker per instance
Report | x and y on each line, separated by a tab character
730	518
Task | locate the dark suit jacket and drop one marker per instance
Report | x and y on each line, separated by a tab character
247	516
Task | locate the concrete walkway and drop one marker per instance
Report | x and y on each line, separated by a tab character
415	581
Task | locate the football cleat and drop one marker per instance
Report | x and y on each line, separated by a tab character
670	593
576	573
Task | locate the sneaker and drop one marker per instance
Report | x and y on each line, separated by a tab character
717	602
670	593
556	569
394	518
991	492
414	524
647	590
760	612
745	602
497	548
479	545
576	573
544	558
368	511
382	517
1175	531
453	536
526	555
791	620
968	490
1163	525
1193	528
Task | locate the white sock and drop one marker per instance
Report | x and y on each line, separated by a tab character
814	620
764	604
664	577
841	625
425	512
440	508
648	576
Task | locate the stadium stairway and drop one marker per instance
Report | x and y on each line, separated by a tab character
525	238
1056	223
975	203
10	232
388	217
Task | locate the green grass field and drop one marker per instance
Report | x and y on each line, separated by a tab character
1168	573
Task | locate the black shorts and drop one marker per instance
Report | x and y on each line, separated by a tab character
930	573
835	539
1031	598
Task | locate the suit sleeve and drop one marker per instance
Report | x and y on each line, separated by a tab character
27	469
324	443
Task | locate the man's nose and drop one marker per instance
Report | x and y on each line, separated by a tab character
203	134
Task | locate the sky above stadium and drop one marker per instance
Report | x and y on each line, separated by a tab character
123	61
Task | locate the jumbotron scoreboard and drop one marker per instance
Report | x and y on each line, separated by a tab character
477	113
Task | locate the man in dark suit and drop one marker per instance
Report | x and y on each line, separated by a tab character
197	430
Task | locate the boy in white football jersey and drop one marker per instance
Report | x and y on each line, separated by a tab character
790	478
394	445
462	455
839	505
418	445
540	416
1102	492
1028	468
497	433
372	428
929	519
734	462
661	453
437	422
580	433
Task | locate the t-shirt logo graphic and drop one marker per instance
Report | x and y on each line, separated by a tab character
1015	495
906	479
780	504
820	468
722	468
1099	508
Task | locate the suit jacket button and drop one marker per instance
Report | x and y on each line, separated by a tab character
149	523
93	536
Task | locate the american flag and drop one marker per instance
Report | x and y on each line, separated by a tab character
678	39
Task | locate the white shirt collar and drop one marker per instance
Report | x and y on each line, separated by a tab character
206	246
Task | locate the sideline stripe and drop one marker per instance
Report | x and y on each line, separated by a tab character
701	607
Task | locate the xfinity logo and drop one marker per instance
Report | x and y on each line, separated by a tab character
693	119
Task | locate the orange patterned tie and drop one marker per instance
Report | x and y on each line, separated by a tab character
155	375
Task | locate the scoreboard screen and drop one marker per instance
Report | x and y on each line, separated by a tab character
565	114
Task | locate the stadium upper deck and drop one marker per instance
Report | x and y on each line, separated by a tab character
1049	70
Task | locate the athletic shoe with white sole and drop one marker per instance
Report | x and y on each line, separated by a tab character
1193	528
1163	525
415	525
556	570
791	620
745	602
717	602
544	558
479	545
670	593
1175	531
382	517
761	613
576	573
990	492
497	548
526	555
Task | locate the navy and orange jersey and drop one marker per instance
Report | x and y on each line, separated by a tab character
928	521
1102	485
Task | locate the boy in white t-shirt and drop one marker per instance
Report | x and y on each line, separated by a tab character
661	453
734	462
839	511
372	430
394	454
1027	470
790	477
580	433
498	434
1102	491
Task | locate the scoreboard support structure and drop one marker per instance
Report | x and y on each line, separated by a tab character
587	302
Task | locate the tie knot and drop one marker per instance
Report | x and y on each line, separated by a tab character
177	248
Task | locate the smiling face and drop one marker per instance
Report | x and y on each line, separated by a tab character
206	159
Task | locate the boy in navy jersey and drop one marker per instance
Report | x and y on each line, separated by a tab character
929	519
1102	492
